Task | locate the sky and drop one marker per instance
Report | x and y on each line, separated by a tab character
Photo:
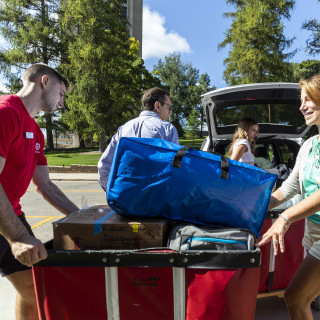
195	28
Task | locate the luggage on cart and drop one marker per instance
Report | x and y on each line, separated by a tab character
192	237
151	177
147	284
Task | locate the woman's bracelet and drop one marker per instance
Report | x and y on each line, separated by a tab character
285	218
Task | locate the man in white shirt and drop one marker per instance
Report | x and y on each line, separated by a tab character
151	123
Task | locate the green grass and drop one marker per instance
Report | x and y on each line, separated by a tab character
196	143
91	155
65	157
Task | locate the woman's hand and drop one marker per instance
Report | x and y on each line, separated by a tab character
276	234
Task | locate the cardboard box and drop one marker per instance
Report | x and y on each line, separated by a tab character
100	227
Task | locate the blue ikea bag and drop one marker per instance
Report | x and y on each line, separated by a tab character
154	177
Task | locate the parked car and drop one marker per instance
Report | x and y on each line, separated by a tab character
275	106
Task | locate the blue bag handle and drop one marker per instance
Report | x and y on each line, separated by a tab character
224	174
224	166
176	163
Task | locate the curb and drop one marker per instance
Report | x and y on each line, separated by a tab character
74	168
67	177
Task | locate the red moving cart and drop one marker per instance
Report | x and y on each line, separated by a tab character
147	284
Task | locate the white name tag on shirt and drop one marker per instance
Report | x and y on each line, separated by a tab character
29	135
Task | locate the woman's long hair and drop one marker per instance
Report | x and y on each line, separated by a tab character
241	132
311	88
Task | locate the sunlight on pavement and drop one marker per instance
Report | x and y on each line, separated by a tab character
48	218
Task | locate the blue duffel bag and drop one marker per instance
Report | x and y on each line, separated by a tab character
152	177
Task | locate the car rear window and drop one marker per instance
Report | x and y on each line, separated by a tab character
285	114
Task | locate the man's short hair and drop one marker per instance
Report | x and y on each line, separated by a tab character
151	96
37	70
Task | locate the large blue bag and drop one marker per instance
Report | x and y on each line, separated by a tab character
151	177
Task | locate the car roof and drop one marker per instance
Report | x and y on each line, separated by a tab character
250	87
254	99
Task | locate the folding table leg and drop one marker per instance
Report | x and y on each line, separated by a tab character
179	293
112	293
271	266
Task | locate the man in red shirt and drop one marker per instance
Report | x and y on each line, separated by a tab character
22	160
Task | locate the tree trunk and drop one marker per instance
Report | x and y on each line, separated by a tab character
82	143
102	143
50	145
201	123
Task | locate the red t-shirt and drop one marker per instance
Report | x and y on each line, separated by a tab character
22	145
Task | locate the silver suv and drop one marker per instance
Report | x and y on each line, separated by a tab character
275	106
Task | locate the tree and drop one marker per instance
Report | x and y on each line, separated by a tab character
193	123
202	87
313	43
181	80
32	31
107	74
305	69
257	42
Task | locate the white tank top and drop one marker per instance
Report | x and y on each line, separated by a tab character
247	157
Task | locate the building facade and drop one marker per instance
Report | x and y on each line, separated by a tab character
134	15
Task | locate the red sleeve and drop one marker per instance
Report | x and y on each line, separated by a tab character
9	125
42	161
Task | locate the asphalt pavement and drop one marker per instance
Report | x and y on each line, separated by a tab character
272	307
7	292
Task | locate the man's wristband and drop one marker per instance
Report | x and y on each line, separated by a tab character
285	218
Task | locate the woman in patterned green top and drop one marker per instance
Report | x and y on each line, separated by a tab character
305	179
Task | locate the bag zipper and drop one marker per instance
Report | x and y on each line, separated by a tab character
218	240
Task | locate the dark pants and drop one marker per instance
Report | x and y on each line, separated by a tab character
8	264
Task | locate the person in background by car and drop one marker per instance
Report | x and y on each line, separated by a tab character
151	123
305	178
243	141
22	159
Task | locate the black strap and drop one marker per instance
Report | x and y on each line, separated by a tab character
176	163
224	174
178	157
